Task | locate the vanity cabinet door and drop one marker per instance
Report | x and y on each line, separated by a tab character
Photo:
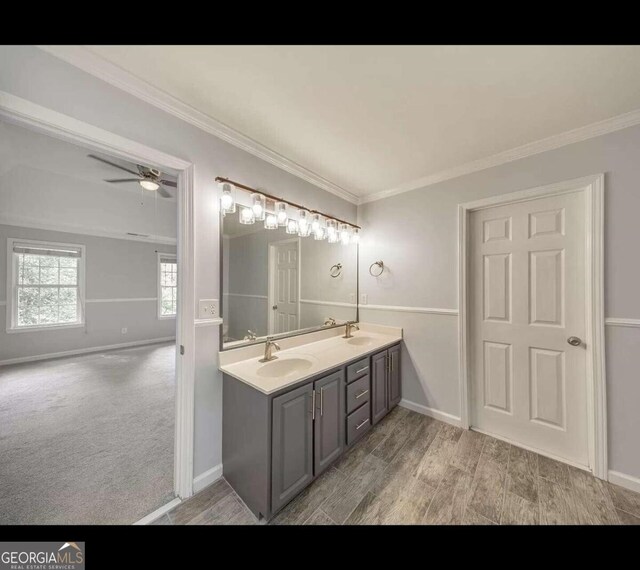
292	445
395	393
329	420
379	390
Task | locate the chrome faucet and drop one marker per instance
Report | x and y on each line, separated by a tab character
349	326
268	349
250	336
330	321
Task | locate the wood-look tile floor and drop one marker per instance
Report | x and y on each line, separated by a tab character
412	469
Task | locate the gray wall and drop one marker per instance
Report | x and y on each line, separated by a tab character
415	233
115	269
30	73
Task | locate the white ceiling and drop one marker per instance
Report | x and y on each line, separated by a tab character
374	118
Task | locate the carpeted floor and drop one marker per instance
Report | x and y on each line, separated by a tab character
87	439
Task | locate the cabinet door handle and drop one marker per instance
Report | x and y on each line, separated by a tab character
358	396
362	370
362	423
313	405
321	399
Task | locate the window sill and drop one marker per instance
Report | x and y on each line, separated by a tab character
166	317
45	328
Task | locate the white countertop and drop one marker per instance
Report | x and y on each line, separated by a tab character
323	351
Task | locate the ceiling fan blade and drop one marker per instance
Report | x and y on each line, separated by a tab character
118	180
112	164
163	192
169	183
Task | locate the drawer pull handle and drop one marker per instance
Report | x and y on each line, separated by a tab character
358	396
361	424
362	370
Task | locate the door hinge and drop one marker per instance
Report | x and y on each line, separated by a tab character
181	349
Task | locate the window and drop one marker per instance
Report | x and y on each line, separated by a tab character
167	285
47	281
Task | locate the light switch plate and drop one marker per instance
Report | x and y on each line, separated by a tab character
352	298
208	309
364	299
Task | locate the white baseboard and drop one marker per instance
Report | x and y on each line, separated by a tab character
627	481
87	350
155	515
436	414
205	479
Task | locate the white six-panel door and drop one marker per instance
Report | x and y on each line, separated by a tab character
526	299
286	287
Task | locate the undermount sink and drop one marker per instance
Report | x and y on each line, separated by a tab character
284	367
360	340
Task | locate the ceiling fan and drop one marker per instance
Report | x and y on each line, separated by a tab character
148	178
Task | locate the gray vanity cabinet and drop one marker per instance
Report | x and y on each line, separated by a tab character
329	420
292	440
395	393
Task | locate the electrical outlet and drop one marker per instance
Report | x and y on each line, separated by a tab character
124	330
364	299
208	309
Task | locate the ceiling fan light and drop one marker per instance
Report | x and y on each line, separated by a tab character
149	184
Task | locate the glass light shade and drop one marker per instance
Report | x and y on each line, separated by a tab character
227	200
345	231
259	206
332	231
247	216
355	236
281	213
316	223
271	221
292	227
149	184
304	223
319	234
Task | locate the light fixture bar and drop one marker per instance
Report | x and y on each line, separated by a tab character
276	199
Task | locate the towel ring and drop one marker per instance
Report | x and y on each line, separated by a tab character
375	272
336	270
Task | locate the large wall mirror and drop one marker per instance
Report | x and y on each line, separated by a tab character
276	283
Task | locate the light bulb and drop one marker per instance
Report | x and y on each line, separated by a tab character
247	216
319	234
281	212
355	236
332	231
344	234
304	227
316	223
271	221
292	227
258	206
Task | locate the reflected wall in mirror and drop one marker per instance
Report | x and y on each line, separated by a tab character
277	283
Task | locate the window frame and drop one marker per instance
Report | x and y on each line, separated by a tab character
160	256
12	286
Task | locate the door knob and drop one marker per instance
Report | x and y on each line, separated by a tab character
275	307
574	341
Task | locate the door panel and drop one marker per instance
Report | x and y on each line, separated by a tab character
395	376
329	421
292	453
379	399
526	297
286	287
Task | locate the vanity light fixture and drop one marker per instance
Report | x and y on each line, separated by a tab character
281	213
247	216
344	234
292	227
319	234
271	221
332	231
259	206
316	223
227	200
304	224
355	236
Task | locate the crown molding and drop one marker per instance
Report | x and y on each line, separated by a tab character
593	130
97	66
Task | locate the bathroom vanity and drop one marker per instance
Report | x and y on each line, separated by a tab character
287	420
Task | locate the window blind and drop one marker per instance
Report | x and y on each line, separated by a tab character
35	250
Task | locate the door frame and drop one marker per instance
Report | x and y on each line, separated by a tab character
25	113
271	273
593	189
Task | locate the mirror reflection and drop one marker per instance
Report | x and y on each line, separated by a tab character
275	282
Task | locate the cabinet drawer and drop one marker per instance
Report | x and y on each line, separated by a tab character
357	369
358	423
358	393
